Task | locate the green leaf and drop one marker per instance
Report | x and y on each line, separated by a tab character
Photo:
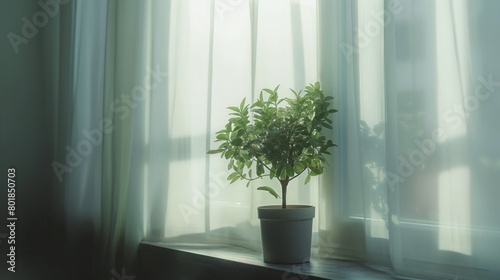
233	135
260	169
222	137
229	154
270	190
232	108
242	104
269	91
299	166
232	176
278	171
237	142
283	174
322	96
289	170
211	152
235	179
326	125
240	132
308	178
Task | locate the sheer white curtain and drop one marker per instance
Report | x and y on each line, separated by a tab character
412	184
417	106
218	54
443	74
148	90
107	76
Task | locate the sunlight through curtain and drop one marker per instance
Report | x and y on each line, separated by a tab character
218	55
413	184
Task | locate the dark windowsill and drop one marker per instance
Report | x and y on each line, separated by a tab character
202	261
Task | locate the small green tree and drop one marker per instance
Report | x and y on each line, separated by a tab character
277	138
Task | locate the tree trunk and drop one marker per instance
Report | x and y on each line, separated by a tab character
284	185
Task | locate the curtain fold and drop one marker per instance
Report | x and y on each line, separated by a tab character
340	235
79	72
106	81
131	78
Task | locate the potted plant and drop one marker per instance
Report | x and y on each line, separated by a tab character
280	139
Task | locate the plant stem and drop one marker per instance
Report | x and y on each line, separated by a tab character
284	185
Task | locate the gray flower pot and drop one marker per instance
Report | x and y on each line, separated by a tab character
286	233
